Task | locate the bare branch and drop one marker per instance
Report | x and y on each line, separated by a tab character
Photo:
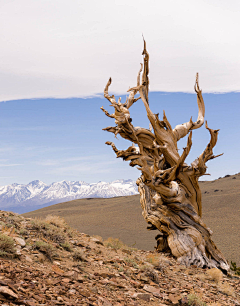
182	130
207	154
145	80
133	91
107	113
106	95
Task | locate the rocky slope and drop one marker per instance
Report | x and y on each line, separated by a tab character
22	198
45	262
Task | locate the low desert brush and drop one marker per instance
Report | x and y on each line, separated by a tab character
49	231
6	245
114	243
234	268
56	220
23	232
156	262
13	220
47	249
131	262
78	255
66	246
150	273
195	300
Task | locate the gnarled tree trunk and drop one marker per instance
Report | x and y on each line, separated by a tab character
169	191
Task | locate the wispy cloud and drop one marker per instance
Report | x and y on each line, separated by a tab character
10	165
91	167
54	162
7	149
210	48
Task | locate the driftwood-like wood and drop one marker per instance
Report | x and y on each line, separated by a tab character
169	191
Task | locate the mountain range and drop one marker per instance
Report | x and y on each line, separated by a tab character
22	198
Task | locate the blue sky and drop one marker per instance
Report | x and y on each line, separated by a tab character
56	54
62	139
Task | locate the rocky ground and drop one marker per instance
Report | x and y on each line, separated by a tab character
45	262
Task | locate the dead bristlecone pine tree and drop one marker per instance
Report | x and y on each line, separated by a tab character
169	191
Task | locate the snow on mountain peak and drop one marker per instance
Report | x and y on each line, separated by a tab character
38	193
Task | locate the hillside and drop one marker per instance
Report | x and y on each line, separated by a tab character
45	262
121	217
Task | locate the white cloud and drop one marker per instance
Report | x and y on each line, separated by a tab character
10	165
66	49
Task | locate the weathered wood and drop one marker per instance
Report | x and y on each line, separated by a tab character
169	191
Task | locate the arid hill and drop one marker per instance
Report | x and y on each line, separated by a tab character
46	263
121	217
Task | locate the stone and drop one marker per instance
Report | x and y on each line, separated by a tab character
66	280
144	296
97	241
8	292
174	299
20	241
28	258
151	289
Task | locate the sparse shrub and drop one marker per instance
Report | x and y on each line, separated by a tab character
49	231
114	243
47	249
66	246
78	255
234	268
6	245
131	262
13	220
195	300
56	220
156	262
116	265
150	273
70	232
23	232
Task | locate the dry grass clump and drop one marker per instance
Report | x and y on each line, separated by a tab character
226	289
13	220
195	300
131	262
23	232
47	249
114	243
149	272
6	246
49	231
56	220
214	275
78	255
156	262
66	246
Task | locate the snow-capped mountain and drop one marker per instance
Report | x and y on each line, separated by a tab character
36	194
